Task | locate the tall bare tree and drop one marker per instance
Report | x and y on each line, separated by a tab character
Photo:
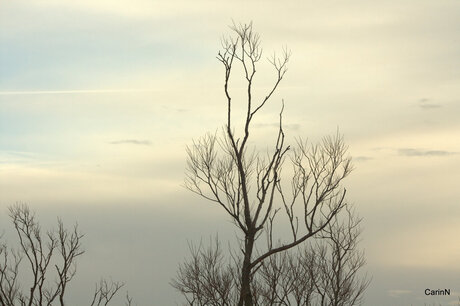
248	185
41	253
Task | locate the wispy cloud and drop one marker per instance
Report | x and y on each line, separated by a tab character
18	153
75	91
420	152
132	141
8	157
398	293
427	104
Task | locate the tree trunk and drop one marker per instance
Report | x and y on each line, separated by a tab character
245	293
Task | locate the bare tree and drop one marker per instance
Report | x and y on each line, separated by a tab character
57	249
248	185
321	273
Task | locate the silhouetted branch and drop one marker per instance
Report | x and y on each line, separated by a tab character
105	291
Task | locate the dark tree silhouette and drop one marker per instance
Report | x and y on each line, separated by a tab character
37	257
252	189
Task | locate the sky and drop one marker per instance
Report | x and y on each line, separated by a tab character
98	100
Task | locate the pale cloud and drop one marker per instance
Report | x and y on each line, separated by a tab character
132	141
361	158
430	106
76	91
17	157
421	152
427	104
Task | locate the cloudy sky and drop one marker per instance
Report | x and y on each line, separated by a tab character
99	98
